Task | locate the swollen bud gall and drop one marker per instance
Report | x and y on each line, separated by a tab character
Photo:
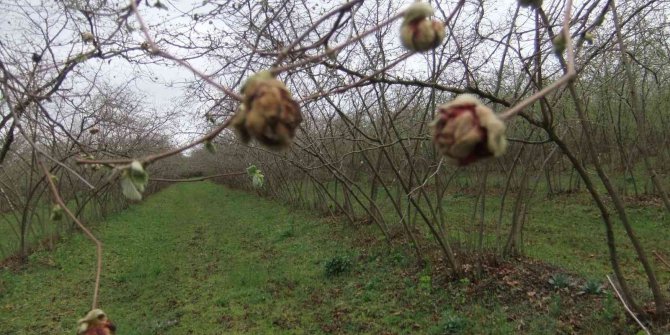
467	130
418	32
268	112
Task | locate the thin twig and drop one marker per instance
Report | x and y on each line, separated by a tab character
340	10
46	155
568	76
154	49
626	306
425	181
336	49
361	81
661	259
98	244
152	158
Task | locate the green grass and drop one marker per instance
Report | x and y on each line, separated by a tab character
564	230
40	226
567	231
570	233
202	259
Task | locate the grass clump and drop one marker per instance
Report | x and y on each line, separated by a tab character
337	266
559	281
593	287
450	323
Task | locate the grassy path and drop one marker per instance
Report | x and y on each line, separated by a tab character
202	259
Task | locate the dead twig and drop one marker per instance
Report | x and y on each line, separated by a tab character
661	259
623	302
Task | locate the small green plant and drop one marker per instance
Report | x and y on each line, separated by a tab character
555	306
337	266
559	281
451	323
398	258
609	311
372	284
464	282
288	232
425	283
592	286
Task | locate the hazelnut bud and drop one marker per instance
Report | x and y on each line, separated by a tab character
268	112
417	32
588	37
559	43
467	130
56	213
87	37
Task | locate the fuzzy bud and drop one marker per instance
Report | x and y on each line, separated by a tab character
87	37
559	43
56	213
418	32
268	112
467	130
588	37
